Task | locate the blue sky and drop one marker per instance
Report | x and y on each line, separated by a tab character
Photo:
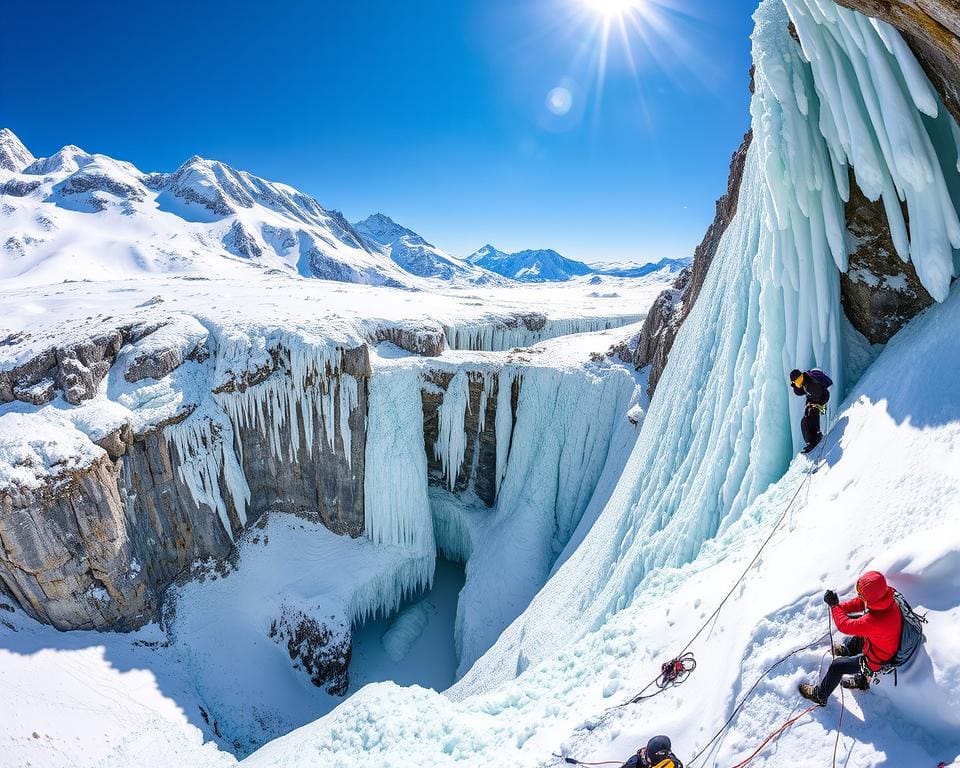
436	112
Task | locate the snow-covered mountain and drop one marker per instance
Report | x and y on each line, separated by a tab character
628	269
78	215
530	266
546	265
418	257
267	463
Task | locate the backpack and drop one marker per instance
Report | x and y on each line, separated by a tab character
911	633
911	637
820	377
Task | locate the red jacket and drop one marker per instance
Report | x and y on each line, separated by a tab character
880	624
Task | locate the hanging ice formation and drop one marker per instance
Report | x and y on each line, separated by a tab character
397	511
719	431
306	383
204	443
451	442
495	336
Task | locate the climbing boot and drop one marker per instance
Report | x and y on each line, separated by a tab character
812	693
858	682
840	649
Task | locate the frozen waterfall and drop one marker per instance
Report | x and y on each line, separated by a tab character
720	430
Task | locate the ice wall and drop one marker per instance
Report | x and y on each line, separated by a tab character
397	512
721	430
525	331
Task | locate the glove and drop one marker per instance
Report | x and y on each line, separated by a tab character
830	598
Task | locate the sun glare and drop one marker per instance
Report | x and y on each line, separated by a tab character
632	35
612	8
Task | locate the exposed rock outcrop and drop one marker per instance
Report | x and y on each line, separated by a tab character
932	30
673	305
95	545
479	468
321	650
880	292
426	340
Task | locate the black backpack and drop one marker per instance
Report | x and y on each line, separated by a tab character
911	637
821	378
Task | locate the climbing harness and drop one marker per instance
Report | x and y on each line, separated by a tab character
676	670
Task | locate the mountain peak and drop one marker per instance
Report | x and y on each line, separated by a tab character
14	156
67	160
532	266
383	230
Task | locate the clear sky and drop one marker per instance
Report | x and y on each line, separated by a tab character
470	121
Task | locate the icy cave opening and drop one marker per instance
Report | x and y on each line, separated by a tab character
415	644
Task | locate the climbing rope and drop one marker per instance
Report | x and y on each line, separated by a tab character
775	735
743	700
660	681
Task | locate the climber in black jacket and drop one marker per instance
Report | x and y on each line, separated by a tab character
656	754
815	385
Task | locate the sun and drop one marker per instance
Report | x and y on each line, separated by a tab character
611	9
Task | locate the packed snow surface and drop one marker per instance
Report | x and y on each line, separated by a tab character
622	562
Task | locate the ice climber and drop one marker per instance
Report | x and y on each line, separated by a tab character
656	754
815	385
874	620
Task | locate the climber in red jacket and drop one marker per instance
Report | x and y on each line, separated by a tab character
874	641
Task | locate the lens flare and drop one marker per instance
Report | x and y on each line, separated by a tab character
559	100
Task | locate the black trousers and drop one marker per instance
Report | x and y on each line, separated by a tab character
810	425
842	665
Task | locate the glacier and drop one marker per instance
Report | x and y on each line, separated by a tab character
610	543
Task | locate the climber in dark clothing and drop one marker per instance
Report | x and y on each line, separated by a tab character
656	754
815	386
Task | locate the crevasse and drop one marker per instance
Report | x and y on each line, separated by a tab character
721	428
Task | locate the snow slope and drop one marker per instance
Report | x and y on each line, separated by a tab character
711	481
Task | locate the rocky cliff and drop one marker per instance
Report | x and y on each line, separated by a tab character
932	30
880	292
673	305
92	540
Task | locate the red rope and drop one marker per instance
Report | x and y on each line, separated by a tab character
776	734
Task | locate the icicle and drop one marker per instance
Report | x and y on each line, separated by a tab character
504	421
451	444
205	451
395	481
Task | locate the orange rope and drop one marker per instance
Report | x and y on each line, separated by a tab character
777	733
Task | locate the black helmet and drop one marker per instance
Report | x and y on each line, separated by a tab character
795	374
658	746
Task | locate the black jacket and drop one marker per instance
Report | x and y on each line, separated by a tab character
815	393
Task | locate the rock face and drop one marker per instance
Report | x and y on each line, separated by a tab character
320	650
95	547
673	305
479	466
932	30
880	292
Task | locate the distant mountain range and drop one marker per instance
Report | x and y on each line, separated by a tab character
411	252
535	266
77	215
